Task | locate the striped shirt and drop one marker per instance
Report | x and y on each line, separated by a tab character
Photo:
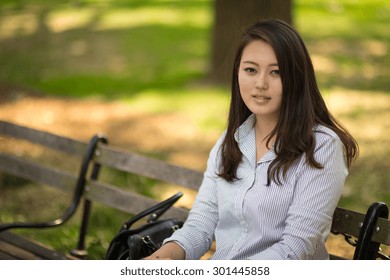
250	220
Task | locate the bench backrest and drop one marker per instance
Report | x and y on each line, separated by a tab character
122	160
98	153
33	170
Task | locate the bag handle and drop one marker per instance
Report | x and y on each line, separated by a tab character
156	211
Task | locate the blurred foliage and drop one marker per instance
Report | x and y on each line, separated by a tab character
352	37
107	48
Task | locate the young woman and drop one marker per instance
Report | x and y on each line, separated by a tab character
275	176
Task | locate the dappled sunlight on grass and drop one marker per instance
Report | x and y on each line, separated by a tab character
122	18
19	24
67	19
61	18
207	107
326	62
366	114
347	18
359	64
348	41
105	49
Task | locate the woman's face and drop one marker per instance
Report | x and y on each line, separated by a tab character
259	80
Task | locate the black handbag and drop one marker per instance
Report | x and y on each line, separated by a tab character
135	244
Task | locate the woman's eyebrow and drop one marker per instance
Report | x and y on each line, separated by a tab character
250	62
256	64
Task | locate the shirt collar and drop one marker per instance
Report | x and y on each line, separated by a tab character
245	129
246	139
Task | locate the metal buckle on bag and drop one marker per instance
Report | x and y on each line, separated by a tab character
175	227
146	239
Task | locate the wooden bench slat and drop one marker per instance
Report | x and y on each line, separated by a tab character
383	235
349	222
21	248
64	144
16	252
30	170
126	201
5	256
148	167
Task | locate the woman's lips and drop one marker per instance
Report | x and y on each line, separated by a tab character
261	97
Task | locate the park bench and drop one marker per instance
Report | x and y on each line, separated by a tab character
365	231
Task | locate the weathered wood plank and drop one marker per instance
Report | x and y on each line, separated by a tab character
5	256
349	222
30	170
383	234
61	143
126	201
21	248
16	252
148	167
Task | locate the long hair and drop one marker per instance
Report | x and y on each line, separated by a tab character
302	105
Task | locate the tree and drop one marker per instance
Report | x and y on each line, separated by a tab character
231	18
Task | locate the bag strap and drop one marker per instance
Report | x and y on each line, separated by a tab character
156	211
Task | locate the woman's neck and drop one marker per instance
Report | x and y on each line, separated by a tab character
263	129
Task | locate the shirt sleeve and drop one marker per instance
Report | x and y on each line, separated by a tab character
197	233
315	198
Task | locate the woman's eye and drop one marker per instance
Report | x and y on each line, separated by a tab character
275	72
250	70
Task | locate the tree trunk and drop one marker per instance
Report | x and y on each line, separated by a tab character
231	18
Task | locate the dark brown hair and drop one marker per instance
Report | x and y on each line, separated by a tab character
302	105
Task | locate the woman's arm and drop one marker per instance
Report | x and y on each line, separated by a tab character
197	233
316	194
169	251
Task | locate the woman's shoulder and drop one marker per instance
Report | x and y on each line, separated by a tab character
324	134
216	149
220	140
322	129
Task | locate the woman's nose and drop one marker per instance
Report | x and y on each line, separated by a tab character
261	82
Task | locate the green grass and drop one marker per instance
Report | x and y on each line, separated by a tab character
154	56
347	19
354	35
115	51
